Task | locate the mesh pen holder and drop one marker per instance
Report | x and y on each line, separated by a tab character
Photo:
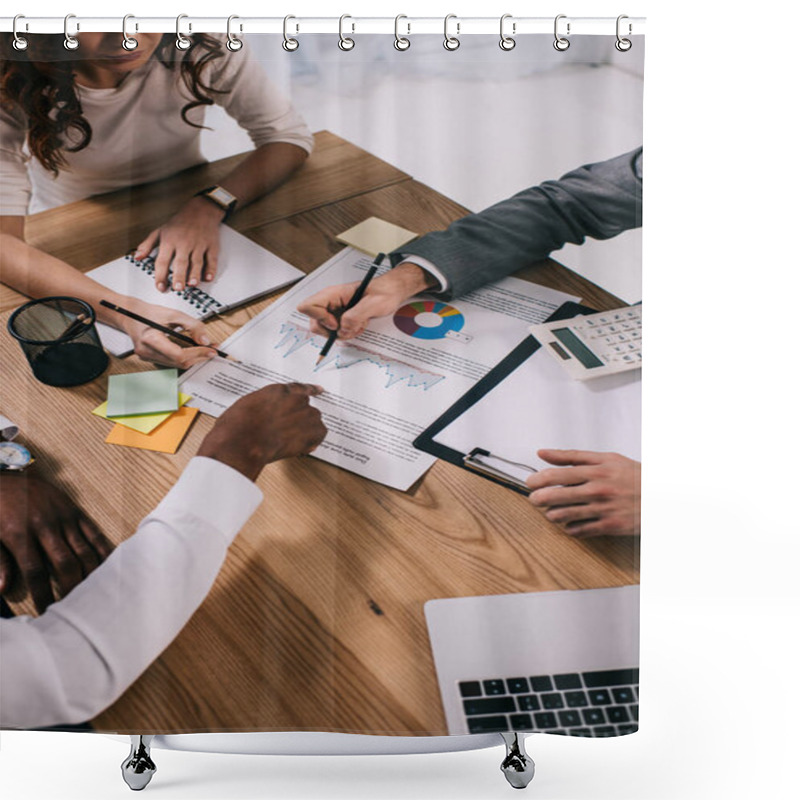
60	340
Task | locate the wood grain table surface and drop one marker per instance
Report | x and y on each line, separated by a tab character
316	619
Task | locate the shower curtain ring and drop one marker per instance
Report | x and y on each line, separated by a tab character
507	42
289	44
561	43
128	42
623	45
70	42
400	42
20	42
234	44
345	42
181	42
451	42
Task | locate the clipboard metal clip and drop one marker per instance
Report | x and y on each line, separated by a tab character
495	466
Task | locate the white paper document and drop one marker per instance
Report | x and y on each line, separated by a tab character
540	405
385	387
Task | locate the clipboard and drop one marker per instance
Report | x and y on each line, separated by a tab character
495	467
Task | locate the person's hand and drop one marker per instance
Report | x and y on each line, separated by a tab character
152	345
189	242
273	423
43	533
589	494
384	295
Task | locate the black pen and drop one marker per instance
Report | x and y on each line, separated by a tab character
357	295
164	329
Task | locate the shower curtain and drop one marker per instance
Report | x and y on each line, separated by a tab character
336	558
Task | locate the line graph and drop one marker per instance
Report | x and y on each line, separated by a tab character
293	339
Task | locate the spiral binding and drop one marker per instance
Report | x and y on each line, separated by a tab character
193	295
451	41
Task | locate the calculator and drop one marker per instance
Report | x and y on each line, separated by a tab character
592	345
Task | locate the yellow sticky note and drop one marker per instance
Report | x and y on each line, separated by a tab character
166	439
374	235
144	423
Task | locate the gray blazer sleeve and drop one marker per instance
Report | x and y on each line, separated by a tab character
598	200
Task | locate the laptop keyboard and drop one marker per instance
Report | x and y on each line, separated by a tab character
602	703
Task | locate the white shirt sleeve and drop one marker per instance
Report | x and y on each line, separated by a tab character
15	185
8	430
256	103
72	662
429	267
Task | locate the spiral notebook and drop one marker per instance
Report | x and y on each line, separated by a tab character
245	271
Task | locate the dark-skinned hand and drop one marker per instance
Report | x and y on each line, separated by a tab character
267	425
43	534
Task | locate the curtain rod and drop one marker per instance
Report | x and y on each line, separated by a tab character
407	26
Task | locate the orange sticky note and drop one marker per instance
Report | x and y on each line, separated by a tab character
166	438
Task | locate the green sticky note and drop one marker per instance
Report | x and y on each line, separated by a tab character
152	392
144	423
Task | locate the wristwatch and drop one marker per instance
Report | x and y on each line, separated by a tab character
14	457
220	197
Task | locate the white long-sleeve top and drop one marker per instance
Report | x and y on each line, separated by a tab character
138	134
72	662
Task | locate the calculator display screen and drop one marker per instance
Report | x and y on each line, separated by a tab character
577	348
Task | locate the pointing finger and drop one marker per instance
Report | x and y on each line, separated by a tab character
308	389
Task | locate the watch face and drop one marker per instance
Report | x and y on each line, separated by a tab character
219	195
14	456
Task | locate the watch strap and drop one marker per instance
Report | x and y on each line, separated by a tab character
227	208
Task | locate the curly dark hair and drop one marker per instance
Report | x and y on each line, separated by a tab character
42	78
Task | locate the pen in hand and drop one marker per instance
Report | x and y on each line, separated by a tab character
164	329
354	300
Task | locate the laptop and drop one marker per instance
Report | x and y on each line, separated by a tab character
564	662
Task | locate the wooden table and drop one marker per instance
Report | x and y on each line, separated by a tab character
316	620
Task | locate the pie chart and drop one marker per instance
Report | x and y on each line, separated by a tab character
428	319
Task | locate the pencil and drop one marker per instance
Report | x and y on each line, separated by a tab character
81	319
164	329
357	295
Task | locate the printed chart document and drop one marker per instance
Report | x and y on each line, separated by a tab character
385	387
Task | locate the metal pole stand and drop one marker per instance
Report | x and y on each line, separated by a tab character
138	768
517	766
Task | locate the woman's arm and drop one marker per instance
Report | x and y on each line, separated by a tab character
189	241
38	274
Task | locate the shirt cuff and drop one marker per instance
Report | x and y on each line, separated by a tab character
214	492
430	268
8	430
